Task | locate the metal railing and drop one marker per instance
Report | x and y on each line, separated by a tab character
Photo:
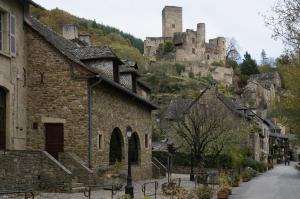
88	193
152	192
27	194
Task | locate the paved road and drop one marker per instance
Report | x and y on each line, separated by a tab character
283	182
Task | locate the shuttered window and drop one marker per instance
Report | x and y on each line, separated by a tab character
12	32
1	31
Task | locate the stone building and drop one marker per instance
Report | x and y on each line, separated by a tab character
190	46
66	105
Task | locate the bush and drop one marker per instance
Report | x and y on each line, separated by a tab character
168	47
204	193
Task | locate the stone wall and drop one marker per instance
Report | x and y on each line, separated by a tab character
22	170
55	97
171	20
114	110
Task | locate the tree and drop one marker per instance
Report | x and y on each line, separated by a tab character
206	127
232	53
264	58
288	108
285	23
249	65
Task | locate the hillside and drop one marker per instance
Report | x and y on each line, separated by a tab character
124	45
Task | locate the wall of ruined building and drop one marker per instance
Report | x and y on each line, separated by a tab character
114	110
171	16
223	74
12	73
152	44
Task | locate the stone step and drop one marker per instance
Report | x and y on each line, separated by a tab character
78	189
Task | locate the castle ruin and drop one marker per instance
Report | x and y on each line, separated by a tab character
190	46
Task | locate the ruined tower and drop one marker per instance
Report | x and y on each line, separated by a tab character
171	20
200	35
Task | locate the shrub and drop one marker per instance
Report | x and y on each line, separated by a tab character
168	47
204	193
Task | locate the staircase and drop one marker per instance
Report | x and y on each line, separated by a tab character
159	170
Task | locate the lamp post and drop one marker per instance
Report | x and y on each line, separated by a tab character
192	175
129	187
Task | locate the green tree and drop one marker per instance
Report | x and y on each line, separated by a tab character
249	65
168	47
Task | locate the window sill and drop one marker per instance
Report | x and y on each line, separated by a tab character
5	55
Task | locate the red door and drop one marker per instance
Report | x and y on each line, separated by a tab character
2	119
54	139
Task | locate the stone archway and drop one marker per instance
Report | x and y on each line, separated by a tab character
135	149
116	147
2	119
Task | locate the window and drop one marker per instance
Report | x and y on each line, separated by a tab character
193	51
207	57
100	141
173	25
146	141
4	32
116	73
12	33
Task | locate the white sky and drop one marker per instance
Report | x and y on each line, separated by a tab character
230	18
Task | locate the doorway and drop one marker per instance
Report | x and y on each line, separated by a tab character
54	142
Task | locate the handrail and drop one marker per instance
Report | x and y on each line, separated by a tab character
161	164
30	192
88	193
157	167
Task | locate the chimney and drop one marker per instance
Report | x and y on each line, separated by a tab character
85	38
70	31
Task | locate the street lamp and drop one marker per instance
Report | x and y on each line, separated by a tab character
129	187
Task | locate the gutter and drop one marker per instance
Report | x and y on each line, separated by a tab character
90	120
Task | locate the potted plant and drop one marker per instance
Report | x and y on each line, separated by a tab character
204	193
235	180
225	189
246	176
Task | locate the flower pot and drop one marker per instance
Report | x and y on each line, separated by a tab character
235	184
246	178
222	194
229	192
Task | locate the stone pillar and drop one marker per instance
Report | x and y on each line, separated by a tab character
200	35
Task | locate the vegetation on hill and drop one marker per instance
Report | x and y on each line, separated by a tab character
124	45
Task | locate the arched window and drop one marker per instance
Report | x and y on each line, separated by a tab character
116	147
2	118
135	149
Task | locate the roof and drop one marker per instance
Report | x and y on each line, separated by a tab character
144	85
95	52
67	47
33	3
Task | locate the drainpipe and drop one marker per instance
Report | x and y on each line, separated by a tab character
90	112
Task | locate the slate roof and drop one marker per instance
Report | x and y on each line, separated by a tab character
144	85
94	52
33	3
67	47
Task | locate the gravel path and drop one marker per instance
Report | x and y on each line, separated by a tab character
282	182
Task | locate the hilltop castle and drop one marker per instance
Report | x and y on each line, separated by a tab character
190	46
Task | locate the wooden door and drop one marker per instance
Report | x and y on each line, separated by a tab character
2	119
54	139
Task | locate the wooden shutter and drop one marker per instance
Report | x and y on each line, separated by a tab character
12	35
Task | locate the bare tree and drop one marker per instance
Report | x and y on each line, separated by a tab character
232	48
285	21
207	124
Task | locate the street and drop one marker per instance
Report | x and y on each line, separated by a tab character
283	182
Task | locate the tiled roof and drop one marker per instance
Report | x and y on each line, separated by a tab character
94	52
33	3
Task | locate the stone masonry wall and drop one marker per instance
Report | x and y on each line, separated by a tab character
23	170
112	110
54	97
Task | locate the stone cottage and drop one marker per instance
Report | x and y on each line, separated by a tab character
74	108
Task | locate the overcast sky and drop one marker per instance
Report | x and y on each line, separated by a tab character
230	18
